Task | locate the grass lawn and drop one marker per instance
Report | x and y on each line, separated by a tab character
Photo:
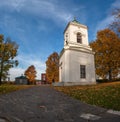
105	95
9	88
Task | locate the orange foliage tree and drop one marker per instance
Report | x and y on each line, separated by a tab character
30	73
107	54
52	68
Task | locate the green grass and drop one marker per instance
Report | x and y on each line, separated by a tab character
105	95
10	88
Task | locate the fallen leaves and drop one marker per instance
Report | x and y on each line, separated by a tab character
106	95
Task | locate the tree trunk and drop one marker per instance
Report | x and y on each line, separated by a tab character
0	80
110	74
1	68
1	71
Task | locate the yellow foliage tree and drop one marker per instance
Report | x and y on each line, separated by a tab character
107	54
8	51
30	73
52	68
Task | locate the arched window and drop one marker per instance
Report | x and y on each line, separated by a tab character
79	38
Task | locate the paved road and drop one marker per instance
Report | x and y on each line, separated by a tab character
44	104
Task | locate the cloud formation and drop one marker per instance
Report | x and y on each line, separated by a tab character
104	23
116	4
46	9
25	62
15	72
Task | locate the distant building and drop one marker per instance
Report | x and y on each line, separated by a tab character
43	78
21	80
38	82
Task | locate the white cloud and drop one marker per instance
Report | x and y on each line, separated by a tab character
104	23
108	19
24	62
12	4
14	22
116	4
15	72
48	10
41	8
10	22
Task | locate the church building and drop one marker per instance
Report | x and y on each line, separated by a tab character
76	63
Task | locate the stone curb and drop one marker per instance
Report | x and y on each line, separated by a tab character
113	112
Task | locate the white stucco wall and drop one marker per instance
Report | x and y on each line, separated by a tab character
81	58
64	67
71	61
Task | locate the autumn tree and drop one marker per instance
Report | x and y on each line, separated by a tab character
30	73
107	54
52	67
115	25
8	51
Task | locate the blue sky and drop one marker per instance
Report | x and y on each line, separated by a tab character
38	25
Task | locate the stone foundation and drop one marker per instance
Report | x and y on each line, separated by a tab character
72	83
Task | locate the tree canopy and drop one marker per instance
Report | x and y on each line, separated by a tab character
107	54
30	73
8	51
52	67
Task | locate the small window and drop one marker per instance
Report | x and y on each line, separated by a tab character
66	37
82	71
79	38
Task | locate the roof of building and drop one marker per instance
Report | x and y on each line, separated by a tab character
21	77
75	22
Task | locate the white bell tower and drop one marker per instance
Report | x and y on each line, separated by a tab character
76	64
75	33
